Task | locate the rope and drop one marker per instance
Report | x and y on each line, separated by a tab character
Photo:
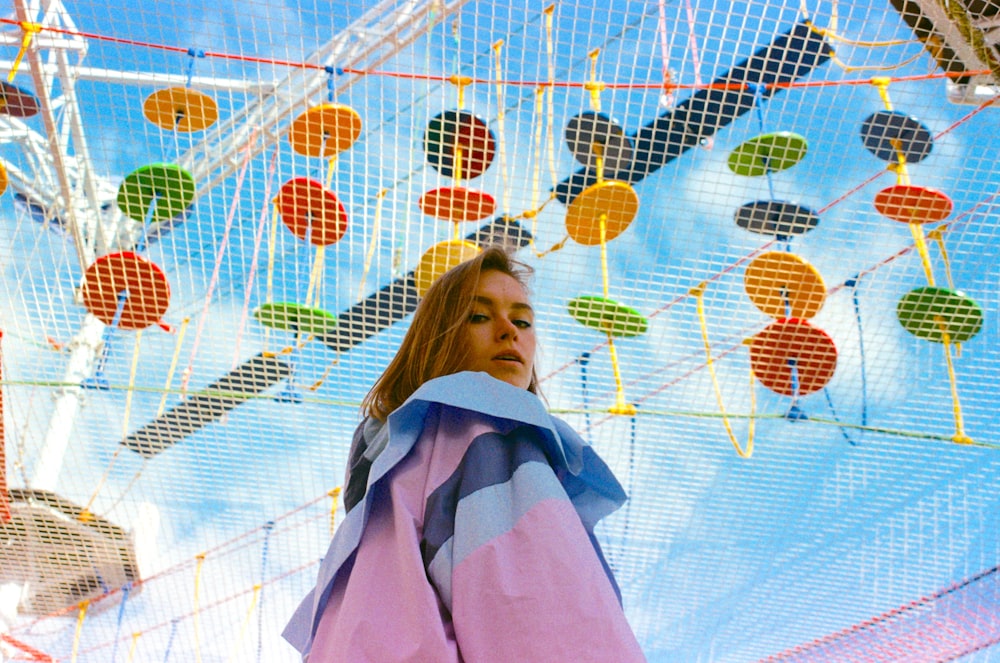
501	141
246	621
81	615
196	618
742	452
268	527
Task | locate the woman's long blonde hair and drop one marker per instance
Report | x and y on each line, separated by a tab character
433	345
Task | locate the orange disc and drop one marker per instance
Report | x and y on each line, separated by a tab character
142	284
325	130
783	285
439	259
616	201
180	109
793	358
457	203
913	204
311	211
3	178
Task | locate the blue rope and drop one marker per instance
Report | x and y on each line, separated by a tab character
758	97
853	285
795	413
98	381
833	410
268	526
126	588
170	639
583	361
194	53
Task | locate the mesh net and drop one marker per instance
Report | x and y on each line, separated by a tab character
765	279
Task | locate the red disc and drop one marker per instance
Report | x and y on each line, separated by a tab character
913	204
311	211
457	203
142	284
793	358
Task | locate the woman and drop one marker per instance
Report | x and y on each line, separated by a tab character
470	510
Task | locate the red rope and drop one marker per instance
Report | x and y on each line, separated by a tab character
34	654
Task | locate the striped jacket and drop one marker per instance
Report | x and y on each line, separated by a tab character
468	537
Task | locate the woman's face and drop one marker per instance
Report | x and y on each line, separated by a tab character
500	331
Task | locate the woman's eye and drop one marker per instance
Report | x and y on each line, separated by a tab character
523	324
477	317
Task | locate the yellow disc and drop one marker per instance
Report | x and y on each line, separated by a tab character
616	201
439	259
181	109
3	178
783	285
325	130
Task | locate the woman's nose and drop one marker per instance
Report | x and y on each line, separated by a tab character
506	329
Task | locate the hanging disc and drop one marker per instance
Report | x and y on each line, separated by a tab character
783	285
311	211
930	312
457	203
439	259
145	288
768	153
776	218
295	318
591	134
170	188
17	102
616	201
887	134
913	204
4	179
455	131
325	130
181	109
608	316
793	358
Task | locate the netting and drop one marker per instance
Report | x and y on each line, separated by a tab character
766	285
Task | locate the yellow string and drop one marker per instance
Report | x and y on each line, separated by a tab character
699	293
326	373
30	30
960	437
80	616
501	143
620	406
131	383
881	84
830	34
888	67
197	622
593	86
173	365
246	621
329	172
132	647
536	167
315	277
938	236
376	228
334	497
459	158
550	112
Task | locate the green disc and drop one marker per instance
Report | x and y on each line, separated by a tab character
295	318
929	312
608	316
768	153
169	188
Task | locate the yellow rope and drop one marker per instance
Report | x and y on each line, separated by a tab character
131	382
376	228
550	112
334	499
699	293
80	616
132	647
197	621
501	143
938	236
536	167
315	277
830	34
886	67
960	437
246	621
329	171
593	85
30	30
173	365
